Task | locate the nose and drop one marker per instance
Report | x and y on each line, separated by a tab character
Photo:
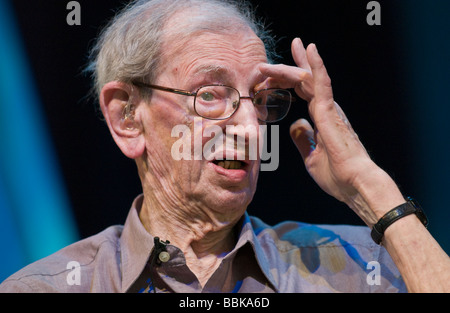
243	126
246	113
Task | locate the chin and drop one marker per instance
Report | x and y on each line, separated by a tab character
231	201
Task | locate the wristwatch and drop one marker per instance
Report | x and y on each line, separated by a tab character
411	206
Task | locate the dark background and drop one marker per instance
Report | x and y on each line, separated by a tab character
369	70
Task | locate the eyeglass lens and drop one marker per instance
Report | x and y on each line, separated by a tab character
220	102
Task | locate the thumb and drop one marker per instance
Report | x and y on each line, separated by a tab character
303	136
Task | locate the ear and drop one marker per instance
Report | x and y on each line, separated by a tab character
119	102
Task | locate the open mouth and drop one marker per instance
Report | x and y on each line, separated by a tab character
230	164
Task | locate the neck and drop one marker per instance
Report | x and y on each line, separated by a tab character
185	220
187	227
204	238
200	225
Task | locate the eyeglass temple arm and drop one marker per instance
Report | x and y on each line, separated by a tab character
177	91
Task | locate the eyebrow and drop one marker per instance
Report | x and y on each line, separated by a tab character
220	73
216	71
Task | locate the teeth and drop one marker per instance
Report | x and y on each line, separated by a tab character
230	165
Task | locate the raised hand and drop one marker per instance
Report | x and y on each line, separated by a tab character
331	150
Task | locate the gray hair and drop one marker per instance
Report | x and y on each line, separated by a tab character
129	47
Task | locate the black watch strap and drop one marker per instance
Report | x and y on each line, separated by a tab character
410	207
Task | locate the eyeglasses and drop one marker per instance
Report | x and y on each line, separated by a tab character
220	102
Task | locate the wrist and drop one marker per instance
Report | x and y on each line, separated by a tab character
410	207
376	194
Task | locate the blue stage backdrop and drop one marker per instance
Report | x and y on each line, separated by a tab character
35	215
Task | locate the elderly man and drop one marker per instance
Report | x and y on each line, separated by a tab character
206	65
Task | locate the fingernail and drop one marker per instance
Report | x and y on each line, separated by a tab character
297	132
261	86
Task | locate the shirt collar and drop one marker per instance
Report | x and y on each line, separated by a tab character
136	245
248	235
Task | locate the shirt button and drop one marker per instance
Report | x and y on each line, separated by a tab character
164	256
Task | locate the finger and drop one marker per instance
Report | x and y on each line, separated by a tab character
337	134
328	118
303	136
299	54
273	83
283	76
322	82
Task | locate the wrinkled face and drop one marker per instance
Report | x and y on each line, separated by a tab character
209	58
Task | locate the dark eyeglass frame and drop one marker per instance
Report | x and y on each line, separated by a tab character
194	94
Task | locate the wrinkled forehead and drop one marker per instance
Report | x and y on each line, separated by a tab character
222	55
218	58
196	34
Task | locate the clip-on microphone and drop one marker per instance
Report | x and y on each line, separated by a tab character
160	251
159	255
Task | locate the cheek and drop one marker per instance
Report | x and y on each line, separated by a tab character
158	143
170	145
161	122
